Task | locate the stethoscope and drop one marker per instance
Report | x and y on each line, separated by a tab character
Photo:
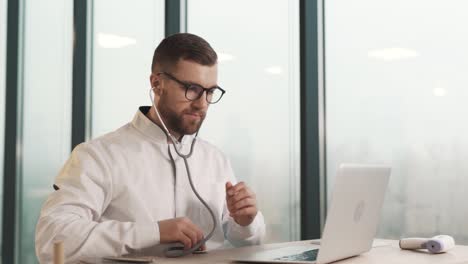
177	249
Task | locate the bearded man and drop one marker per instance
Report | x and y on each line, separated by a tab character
128	191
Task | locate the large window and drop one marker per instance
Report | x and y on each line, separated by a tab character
46	103
396	94
121	63
257	122
3	22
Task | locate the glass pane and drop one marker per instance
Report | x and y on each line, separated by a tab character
256	123
396	94
122	59
47	82
3	22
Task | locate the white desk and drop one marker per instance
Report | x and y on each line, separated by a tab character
385	251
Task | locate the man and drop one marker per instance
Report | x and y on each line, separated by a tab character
128	192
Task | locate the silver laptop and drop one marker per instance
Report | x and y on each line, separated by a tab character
351	224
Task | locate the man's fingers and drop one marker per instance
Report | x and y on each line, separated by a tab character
191	231
198	232
250	211
184	239
180	229
239	186
192	235
244	193
237	208
236	188
244	203
196	229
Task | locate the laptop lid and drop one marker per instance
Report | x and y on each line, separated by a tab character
351	223
354	212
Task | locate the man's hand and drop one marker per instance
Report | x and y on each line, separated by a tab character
241	203
180	230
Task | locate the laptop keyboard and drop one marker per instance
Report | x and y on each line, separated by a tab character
309	255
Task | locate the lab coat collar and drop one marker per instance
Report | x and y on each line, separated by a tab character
147	127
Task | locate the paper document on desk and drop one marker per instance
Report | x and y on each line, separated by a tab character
119	260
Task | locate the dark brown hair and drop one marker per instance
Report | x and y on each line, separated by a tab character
183	46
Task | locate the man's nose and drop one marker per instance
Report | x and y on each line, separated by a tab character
201	102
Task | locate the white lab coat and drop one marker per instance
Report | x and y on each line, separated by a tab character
114	190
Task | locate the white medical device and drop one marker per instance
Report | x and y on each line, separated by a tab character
437	244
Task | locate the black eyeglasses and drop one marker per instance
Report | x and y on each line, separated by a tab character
194	91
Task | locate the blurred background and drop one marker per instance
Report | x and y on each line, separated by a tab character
310	85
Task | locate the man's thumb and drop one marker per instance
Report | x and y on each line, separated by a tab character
228	184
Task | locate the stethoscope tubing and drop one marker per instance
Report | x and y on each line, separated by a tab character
185	158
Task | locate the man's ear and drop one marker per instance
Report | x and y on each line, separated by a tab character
155	84
157	88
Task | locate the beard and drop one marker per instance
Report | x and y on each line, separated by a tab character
180	123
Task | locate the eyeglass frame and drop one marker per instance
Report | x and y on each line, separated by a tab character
188	85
